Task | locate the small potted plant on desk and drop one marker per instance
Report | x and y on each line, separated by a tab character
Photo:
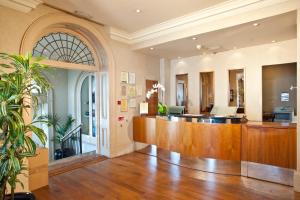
161	107
16	99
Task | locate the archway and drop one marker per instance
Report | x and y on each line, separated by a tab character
104	66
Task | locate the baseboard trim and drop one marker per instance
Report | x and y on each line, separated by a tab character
297	181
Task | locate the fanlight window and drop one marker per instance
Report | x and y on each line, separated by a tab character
64	47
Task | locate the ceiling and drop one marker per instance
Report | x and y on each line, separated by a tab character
277	28
121	14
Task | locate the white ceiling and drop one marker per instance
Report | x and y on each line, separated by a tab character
279	28
121	14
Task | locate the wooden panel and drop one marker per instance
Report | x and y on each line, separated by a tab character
166	134
271	145
144	130
265	143
153	101
292	148
188	139
275	147
220	141
254	145
38	169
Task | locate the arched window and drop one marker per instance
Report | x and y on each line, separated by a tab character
64	47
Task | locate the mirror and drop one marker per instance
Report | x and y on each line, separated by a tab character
279	94
236	89
207	95
182	91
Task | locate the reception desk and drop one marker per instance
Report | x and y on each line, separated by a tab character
265	143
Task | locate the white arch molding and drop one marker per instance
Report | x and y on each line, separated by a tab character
105	66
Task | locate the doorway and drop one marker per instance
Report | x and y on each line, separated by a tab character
70	106
86	110
182	91
153	100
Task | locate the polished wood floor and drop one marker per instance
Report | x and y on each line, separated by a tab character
74	162
140	176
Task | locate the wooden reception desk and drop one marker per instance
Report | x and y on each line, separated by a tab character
265	143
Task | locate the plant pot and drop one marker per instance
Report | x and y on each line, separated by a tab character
21	196
58	154
67	152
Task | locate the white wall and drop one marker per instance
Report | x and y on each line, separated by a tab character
164	79
251	59
73	76
58	79
145	67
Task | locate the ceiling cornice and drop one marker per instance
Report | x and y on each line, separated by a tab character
225	9
120	35
21	5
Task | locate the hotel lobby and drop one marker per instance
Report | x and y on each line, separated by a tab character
172	99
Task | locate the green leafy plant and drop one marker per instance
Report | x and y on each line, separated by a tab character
16	98
60	127
162	109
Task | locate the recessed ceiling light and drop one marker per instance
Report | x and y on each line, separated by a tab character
179	57
199	46
138	11
151	48
194	38
256	24
273	41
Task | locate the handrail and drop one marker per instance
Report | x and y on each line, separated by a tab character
70	133
75	131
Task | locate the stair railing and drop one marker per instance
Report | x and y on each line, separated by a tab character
71	143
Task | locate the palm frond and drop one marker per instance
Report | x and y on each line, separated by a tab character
16	97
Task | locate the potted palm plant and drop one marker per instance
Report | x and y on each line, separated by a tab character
17	85
61	127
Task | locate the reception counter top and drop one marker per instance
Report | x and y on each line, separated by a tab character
271	124
203	118
260	142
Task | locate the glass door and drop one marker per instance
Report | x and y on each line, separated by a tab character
88	115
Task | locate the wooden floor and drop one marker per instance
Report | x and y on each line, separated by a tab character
74	162
140	176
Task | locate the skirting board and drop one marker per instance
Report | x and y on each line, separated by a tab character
268	173
297	181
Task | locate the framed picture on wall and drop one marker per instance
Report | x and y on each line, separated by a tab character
132	103
124	105
124	77
131	78
131	91
123	90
